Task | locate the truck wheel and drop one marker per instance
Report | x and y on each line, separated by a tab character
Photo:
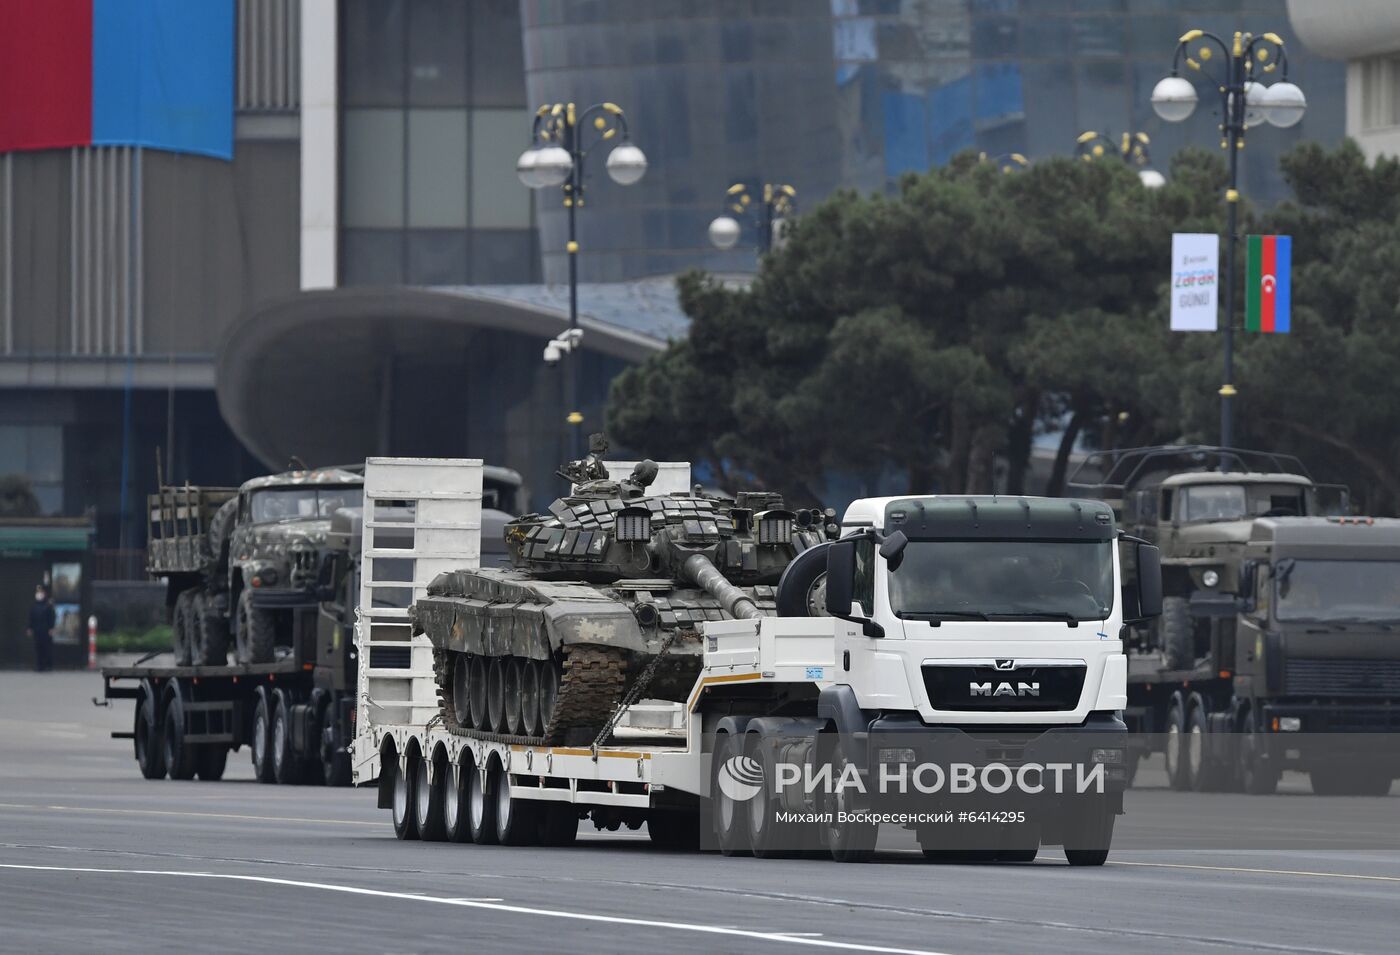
257	631
516	823
731	833
768	838
675	830
1202	768
182	630
427	800
211	761
405	774
1089	832
481	806
1259	777
1178	633
334	762
456	826
260	745
286	767
210	633
1177	777
558	824
850	840
150	754
179	757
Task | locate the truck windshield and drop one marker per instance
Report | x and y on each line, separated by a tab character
1338	590
1053	580
283	503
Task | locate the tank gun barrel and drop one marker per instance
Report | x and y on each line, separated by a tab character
737	604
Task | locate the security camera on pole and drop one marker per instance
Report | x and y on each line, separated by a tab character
555	158
1245	102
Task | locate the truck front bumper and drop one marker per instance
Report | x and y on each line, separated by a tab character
282	598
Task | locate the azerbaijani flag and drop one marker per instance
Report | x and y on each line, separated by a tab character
1267	283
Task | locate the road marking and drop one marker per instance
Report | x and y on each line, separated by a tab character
790	939
201	815
1231	868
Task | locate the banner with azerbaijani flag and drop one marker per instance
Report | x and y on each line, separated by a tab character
1268	283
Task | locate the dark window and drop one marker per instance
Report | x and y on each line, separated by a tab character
371	256
437	52
372	61
437	257
864	589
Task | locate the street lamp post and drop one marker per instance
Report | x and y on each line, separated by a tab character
556	157
779	202
1131	148
1244	102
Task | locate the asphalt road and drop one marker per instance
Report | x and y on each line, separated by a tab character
93	858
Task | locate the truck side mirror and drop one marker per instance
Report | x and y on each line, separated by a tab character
1149	581
840	585
892	549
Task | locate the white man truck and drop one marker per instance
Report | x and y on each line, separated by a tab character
952	664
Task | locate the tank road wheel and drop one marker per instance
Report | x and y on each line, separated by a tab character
257	631
547	674
511	681
477	673
1178	635
1178	777
481	806
731	833
427	800
259	745
179	756
530	723
405	774
496	695
286	768
461	690
150	755
181	630
1259	776
210	633
211	761
456	826
558	824
516	822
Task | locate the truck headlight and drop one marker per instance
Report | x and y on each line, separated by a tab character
1210	578
896	755
1288	724
1111	756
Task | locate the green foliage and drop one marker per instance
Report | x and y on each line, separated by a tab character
135	640
17	497
928	332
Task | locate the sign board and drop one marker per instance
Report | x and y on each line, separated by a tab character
1195	270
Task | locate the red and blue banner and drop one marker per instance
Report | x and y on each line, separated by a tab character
1268	283
155	73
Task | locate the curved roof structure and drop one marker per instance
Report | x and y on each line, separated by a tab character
314	374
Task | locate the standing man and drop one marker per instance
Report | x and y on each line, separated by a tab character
41	624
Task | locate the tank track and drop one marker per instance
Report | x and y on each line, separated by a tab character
589	691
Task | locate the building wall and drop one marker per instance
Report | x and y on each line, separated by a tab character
1365	33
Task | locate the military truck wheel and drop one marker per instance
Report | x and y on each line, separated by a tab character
286	767
427	800
1178	634
1177	776
181	629
211	761
257	631
802	587
179	756
1259	777
150	755
1203	770
334	762
259	745
210	633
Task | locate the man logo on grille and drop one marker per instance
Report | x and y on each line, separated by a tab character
1005	664
740	778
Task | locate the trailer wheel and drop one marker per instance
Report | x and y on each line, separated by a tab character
286	767
1178	633
405	773
427	800
768	838
675	830
181	629
1089	833
481	806
180	758
516	823
211	760
257	631
210	633
558	824
1260	777
1177	776
850	840
334	761
150	754
260	745
456	825
731	833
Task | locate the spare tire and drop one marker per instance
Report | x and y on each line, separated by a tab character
182	628
802	587
1178	633
220	530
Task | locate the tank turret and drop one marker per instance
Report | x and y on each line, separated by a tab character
608	579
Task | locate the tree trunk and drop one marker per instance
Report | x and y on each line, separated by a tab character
959	451
1055	486
1019	435
981	468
